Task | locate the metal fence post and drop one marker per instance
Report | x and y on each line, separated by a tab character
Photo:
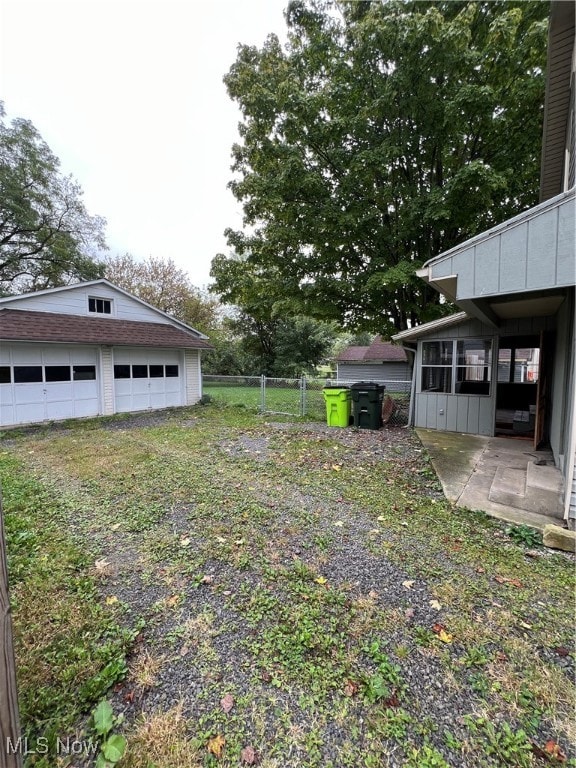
303	396
263	393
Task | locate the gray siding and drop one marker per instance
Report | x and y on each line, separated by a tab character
534	251
472	414
380	372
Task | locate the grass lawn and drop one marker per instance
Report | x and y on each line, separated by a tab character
249	591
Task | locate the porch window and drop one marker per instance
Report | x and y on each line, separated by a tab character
460	366
437	359
473	366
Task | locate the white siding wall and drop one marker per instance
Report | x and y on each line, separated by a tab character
75	302
193	376
107	371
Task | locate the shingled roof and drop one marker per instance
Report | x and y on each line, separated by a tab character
378	352
22	325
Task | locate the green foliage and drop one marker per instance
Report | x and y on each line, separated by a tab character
112	745
524	535
47	237
500	741
425	757
380	136
161	283
270	335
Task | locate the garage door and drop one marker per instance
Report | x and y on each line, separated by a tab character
147	379
39	383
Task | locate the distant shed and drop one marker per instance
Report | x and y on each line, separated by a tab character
382	361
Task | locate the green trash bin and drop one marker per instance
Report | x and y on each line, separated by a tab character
367	397
338	406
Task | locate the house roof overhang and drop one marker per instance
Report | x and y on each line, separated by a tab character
528	258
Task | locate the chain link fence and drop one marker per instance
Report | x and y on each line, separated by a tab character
299	397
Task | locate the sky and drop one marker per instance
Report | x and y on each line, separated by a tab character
129	95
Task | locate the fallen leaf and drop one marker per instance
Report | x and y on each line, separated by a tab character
435	604
185	542
216	745
552	749
504	580
381	518
115	526
501	656
239	542
339	523
409	613
444	636
220	539
336	467
249	756
208	579
111	600
351	688
184	650
480	570
408	584
129	697
321	580
524	625
227	702
373	595
562	651
438	627
172	601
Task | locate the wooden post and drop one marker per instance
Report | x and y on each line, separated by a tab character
10	743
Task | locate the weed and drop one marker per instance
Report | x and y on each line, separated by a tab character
524	535
112	745
507	746
425	757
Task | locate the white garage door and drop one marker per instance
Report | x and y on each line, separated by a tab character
40	382
147	378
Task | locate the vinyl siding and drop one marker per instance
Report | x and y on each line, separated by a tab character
379	372
75	302
107	370
193	376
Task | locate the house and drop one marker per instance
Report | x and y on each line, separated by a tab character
382	361
505	364
92	349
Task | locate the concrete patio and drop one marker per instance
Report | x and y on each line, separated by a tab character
504	477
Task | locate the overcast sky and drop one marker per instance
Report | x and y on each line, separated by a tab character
129	95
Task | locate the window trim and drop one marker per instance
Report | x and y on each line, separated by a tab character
102	299
454	367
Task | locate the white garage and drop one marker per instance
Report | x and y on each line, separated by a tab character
42	382
147	378
92	349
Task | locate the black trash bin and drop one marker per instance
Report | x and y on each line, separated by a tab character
367	397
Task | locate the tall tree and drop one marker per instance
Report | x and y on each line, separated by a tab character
47	237
383	134
164	285
278	340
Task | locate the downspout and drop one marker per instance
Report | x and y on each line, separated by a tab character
412	385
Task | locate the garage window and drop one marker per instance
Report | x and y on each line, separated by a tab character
156	371
57	372
5	376
139	371
121	371
27	374
84	372
99	306
172	371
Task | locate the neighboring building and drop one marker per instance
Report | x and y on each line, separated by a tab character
506	364
382	362
92	349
